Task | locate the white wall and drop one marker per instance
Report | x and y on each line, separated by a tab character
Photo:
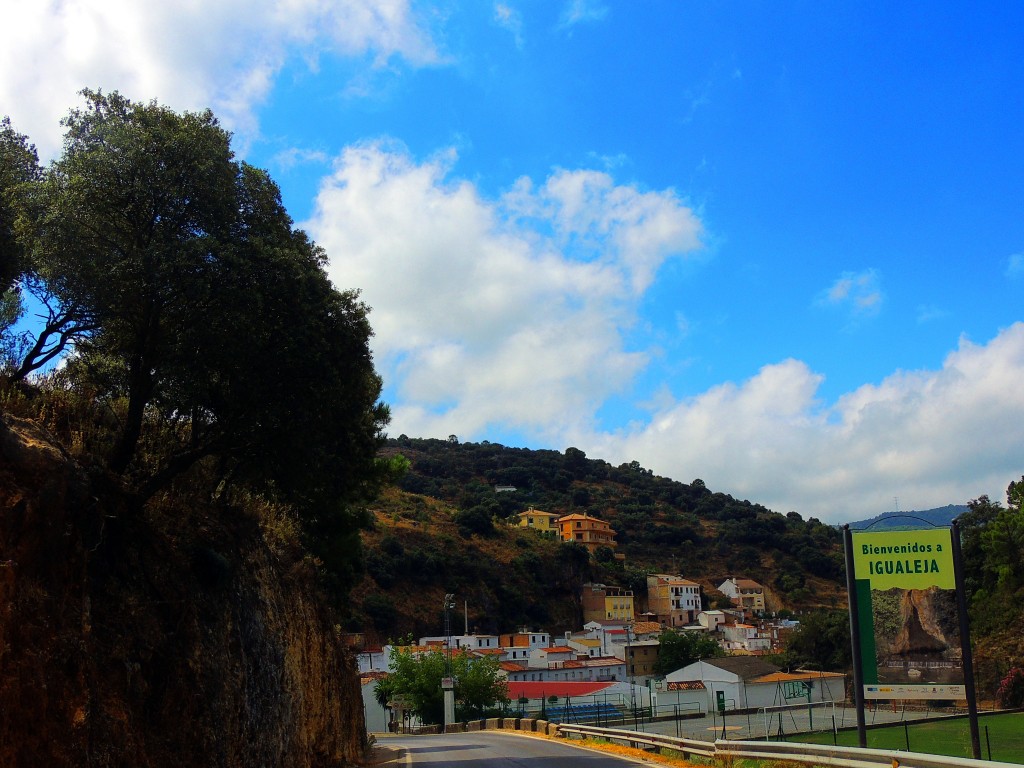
376	715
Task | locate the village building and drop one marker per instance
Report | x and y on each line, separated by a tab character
745	637
748	683
536	520
588	531
607	603
675	601
744	593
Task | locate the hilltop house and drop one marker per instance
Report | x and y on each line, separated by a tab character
589	531
538	520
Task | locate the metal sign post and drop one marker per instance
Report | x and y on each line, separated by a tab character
858	669
965	642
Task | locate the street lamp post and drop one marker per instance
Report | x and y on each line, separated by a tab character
629	671
447	683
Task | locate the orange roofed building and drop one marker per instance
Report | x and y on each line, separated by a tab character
589	531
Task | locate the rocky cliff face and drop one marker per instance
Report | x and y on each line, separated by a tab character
167	638
930	624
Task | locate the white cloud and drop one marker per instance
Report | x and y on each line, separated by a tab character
507	17
858	292
1015	265
507	311
188	55
929	437
581	11
287	159
926	313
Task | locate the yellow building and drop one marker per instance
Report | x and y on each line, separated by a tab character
586	530
603	603
537	520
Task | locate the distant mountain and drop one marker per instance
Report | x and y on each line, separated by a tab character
941	516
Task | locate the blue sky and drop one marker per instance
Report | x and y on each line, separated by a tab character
777	246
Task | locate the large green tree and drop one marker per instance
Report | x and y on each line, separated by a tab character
992	539
416	676
678	649
821	642
201	318
19	164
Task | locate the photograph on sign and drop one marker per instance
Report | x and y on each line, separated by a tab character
907	606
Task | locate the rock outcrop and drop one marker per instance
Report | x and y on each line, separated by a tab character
166	638
929	623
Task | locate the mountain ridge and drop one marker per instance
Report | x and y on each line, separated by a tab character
936	517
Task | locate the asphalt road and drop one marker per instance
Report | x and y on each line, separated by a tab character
488	749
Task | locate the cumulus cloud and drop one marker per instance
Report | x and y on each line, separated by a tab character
505	311
929	437
189	55
858	292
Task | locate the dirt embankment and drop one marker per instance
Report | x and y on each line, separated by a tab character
165	638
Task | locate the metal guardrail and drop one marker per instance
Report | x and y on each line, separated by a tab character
815	754
639	739
848	757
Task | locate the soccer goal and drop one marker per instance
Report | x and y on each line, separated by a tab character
781	720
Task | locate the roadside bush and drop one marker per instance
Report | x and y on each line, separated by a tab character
1011	690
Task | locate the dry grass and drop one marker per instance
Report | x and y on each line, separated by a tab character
642	754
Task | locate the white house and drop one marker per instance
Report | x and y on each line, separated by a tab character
469	642
747	682
745	637
375	716
744	593
711	620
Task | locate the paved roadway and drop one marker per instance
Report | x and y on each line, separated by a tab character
490	749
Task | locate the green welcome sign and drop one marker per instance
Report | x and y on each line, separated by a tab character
906	604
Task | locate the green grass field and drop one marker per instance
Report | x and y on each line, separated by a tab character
1005	735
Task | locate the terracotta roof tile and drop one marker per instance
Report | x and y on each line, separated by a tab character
784	677
646	627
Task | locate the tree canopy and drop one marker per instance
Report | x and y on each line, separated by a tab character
479	684
19	165
680	649
188	305
993	553
822	642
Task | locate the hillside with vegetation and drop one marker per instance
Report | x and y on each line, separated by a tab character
447	529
